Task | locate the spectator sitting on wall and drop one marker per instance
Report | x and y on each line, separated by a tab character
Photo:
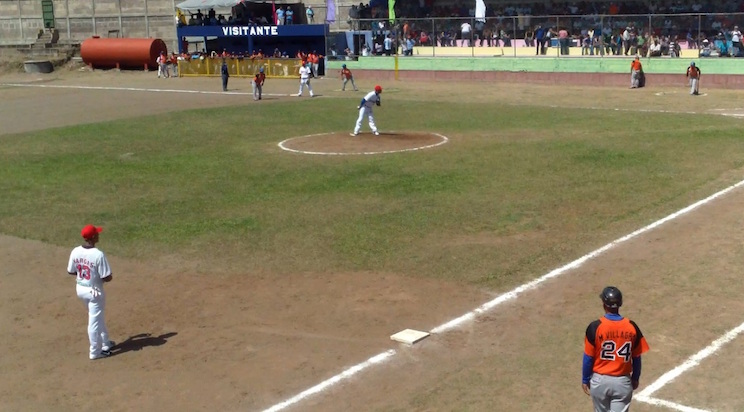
277	54
424	39
222	21
654	50
310	15
705	49
365	51
409	46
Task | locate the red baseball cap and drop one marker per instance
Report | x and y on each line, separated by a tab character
89	231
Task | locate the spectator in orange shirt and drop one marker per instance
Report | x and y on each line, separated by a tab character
346	76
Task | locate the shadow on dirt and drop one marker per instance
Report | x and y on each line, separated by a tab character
141	341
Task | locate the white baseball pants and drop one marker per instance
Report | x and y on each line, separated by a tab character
365	111
694	86
303	83
611	393
95	302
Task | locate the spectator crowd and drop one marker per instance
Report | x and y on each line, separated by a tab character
648	28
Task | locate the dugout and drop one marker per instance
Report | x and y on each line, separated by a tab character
250	27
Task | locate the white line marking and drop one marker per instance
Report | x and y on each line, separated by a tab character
670	405
508	296
283	146
136	89
141	89
332	381
692	361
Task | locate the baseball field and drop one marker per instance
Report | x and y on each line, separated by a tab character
262	257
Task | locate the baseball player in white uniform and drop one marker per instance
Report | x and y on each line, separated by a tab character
91	270
305	79
365	109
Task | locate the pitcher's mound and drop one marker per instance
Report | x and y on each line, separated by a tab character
363	143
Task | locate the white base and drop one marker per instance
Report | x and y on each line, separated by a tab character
409	336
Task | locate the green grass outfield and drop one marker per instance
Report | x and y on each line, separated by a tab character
515	191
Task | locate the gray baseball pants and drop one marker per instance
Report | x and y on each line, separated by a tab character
611	393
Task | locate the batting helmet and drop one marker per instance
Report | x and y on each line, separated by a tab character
692	64
343	66
261	70
378	89
611	297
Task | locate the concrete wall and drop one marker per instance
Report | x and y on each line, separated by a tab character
550	65
76	20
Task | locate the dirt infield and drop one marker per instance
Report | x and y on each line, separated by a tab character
246	341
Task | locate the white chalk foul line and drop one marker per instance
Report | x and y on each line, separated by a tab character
576	263
667	404
135	89
504	298
332	381
283	146
691	362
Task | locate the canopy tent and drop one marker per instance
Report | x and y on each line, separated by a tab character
193	5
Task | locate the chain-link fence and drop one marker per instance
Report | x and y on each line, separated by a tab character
593	35
674	35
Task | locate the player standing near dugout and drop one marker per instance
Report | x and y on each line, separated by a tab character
257	84
365	109
91	270
613	346
693	73
346	76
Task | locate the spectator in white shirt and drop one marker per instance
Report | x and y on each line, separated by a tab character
735	41
466	34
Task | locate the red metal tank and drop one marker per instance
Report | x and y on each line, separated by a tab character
121	52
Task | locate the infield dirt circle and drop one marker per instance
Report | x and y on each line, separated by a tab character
338	143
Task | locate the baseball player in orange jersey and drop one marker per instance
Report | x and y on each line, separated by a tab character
613	346
91	270
346	76
693	73
257	83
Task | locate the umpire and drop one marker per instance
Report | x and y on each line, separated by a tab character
225	75
613	346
